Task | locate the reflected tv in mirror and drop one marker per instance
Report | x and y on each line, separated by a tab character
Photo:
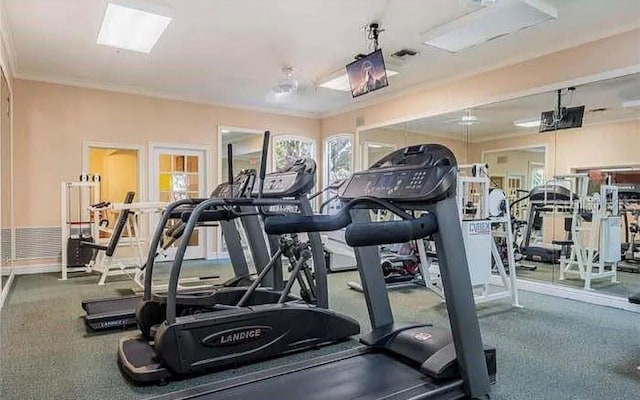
367	74
571	118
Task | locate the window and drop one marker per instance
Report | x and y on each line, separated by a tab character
287	149
536	174
339	158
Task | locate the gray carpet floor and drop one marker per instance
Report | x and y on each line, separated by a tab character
552	349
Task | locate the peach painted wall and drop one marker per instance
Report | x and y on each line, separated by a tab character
401	139
613	53
602	145
51	121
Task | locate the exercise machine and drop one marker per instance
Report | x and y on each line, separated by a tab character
417	361
77	223
629	195
486	219
595	238
232	326
556	199
120	312
292	182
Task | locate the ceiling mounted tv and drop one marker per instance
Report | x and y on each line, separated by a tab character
367	74
571	118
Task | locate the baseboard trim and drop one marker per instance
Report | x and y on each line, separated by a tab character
220	255
36	269
585	296
6	288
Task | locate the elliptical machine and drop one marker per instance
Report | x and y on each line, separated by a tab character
185	333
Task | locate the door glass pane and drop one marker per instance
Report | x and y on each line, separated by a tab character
192	164
165	196
179	182
165	182
165	163
178	163
193	182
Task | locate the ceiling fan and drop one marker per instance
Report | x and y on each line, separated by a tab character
289	86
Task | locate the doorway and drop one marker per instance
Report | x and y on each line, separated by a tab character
180	172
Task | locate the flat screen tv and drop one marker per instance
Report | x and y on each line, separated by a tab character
571	118
367	74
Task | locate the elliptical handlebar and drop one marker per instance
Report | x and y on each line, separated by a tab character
263	162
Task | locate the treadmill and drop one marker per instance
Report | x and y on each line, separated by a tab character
397	362
545	199
120	312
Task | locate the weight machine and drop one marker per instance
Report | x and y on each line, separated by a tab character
595	230
76	222
485	217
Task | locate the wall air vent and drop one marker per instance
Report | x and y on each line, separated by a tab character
488	23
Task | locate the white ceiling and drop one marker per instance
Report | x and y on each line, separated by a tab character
231	51
497	119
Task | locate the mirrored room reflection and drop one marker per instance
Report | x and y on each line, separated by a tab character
570	230
567	165
247	153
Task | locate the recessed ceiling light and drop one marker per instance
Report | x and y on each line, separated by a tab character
527	123
133	25
631	103
341	82
488	23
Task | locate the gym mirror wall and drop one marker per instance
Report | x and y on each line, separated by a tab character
573	241
556	241
247	153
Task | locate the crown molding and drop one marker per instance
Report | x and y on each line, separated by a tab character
112	87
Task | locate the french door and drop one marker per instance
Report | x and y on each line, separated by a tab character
180	173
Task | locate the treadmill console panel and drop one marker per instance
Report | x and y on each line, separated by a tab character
425	173
292	181
242	185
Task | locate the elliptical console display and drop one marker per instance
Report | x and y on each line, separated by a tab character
290	181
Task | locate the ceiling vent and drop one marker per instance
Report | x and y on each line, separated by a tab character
488	23
404	54
598	110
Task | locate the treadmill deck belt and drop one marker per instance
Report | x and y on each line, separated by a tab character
365	375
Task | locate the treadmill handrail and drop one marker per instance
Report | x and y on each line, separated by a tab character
278	225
